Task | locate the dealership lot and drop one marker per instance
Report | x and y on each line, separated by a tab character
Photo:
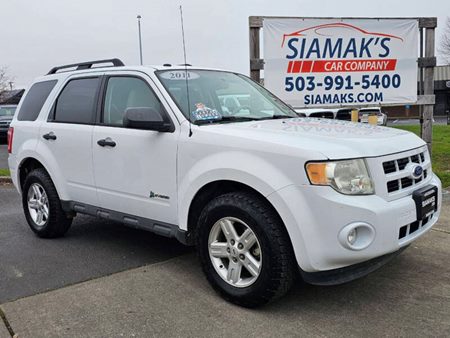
167	293
93	248
3	155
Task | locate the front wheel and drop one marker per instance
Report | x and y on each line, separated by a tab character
42	206
245	250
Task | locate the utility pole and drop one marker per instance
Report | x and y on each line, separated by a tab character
140	38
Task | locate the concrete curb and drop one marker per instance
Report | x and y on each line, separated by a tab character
5	180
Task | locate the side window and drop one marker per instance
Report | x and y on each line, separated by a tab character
127	92
34	100
77	101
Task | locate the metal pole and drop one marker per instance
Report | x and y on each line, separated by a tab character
140	38
421	82
428	88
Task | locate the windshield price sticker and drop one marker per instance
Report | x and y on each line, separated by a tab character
203	113
318	62
179	75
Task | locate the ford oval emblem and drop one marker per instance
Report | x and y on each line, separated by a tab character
417	171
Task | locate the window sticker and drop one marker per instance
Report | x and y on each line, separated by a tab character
179	75
203	113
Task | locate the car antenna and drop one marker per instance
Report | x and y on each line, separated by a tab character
186	72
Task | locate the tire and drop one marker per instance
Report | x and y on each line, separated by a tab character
276	259
56	223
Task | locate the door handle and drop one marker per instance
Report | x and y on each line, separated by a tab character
49	136
106	142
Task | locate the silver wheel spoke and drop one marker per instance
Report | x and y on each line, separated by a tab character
45	211
33	204
235	252
234	272
248	239
37	192
228	229
218	249
251	264
38	206
39	217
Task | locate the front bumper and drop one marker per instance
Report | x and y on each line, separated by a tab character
348	273
315	215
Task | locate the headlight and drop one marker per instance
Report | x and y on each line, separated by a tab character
348	177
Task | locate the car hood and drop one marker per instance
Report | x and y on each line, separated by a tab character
6	118
332	138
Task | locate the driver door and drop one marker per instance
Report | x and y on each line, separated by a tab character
135	169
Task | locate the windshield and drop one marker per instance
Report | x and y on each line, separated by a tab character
370	111
7	111
216	96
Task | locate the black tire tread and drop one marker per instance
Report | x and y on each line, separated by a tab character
58	223
282	273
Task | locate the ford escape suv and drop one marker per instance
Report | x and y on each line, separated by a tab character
215	160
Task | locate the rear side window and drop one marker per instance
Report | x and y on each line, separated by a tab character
77	101
34	100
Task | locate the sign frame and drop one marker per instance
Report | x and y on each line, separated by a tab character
426	62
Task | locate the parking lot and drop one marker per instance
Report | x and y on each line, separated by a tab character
125	282
3	155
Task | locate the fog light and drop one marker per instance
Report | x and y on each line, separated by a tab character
356	236
351	236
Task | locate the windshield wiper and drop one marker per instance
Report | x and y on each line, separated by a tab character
276	117
282	117
228	119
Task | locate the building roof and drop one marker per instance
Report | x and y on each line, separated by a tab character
11	96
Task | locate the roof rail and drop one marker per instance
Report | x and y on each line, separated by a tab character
87	65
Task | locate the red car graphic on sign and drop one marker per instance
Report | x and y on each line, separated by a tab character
323	29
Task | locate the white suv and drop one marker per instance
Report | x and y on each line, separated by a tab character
262	193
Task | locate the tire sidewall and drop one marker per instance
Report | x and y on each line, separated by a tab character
256	223
31	179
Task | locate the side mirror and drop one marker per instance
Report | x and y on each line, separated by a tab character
145	118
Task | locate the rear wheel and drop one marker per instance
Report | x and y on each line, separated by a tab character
42	206
245	250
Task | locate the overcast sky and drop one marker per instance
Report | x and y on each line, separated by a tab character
39	34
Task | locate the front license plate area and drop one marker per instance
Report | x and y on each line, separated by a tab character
426	200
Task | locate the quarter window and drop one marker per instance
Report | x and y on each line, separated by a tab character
77	101
34	100
127	92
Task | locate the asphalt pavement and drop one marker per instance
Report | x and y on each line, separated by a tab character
92	248
3	156
167	295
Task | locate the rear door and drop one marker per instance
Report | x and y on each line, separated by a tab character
67	137
135	170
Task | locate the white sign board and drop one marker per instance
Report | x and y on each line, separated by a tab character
337	62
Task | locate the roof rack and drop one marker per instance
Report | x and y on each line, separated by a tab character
87	65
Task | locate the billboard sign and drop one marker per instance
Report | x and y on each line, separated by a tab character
341	62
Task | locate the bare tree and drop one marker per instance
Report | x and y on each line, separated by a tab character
5	80
444	48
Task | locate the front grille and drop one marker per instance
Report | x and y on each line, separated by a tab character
2	123
389	167
402	163
403	181
393	186
409	229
